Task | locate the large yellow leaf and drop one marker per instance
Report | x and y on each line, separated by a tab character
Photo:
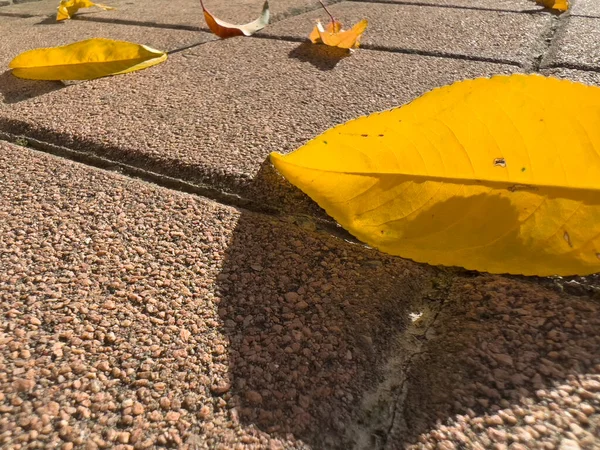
67	8
85	60
499	175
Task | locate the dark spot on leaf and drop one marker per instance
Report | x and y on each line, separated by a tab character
523	169
324	142
364	135
381	135
568	239
382	231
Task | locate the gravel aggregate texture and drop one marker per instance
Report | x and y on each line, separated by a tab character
585	8
163	14
504	5
513	366
577	44
136	316
582	76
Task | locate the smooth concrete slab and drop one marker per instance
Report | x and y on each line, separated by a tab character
212	114
504	5
516	38
135	315
576	45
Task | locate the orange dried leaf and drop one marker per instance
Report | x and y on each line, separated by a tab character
332	27
559	5
226	30
67	8
334	36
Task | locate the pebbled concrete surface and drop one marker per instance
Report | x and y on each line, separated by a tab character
513	365
163	14
136	315
132	316
592	78
36	32
576	45
450	31
494	5
585	8
139	317
199	116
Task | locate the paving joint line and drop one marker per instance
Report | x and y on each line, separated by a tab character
404	51
548	40
572	66
132	172
399	403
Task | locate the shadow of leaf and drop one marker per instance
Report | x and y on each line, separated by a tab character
311	321
14	90
323	57
322	348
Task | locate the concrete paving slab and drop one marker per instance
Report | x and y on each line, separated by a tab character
590	8
494	5
576	45
26	34
29	9
517	38
211	115
134	315
22	34
185	14
506	365
591	78
189	12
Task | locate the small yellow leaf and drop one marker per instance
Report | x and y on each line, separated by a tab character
496	174
559	5
67	8
85	60
226	30
334	36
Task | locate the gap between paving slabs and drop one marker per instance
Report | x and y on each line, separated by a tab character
575	44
